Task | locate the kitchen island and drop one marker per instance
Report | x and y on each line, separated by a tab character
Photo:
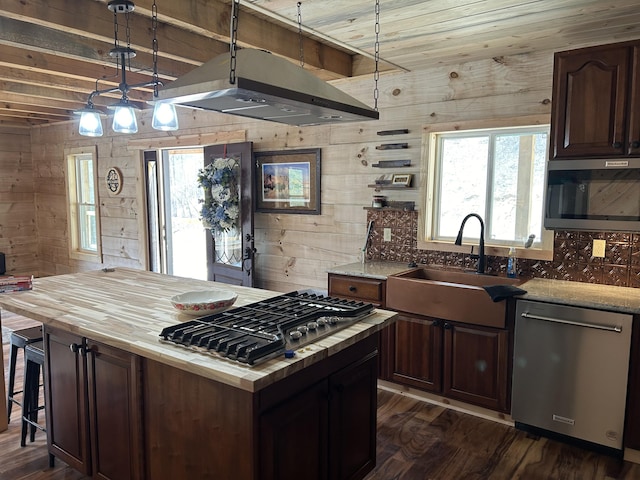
122	404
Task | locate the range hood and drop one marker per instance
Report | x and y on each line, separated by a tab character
267	87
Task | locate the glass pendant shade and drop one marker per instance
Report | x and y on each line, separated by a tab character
164	117
90	123
124	118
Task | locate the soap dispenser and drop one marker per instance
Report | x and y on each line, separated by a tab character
511	263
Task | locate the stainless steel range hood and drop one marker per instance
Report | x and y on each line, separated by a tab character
267	87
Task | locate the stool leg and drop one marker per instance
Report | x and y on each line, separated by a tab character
35	400
12	379
26	401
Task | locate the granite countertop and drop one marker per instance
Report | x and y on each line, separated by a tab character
379	270
128	308
589	295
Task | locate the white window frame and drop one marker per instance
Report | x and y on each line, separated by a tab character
429	196
76	251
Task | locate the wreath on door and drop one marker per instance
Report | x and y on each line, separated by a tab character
221	203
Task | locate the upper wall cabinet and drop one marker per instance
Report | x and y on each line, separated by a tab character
596	102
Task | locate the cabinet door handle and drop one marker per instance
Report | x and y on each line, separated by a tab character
74	347
447	326
635	144
352	288
617	144
436	323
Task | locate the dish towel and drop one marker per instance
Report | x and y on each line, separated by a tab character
500	292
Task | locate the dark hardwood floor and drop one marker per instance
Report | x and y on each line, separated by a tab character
416	441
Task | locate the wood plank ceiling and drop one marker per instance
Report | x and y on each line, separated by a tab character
52	51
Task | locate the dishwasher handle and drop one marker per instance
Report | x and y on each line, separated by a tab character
608	328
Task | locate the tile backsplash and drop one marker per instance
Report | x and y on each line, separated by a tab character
572	258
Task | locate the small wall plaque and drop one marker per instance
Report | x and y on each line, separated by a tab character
114	180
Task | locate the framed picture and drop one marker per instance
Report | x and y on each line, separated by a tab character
403	179
288	181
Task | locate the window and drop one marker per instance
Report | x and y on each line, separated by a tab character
496	173
84	225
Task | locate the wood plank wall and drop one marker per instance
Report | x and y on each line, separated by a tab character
18	233
294	251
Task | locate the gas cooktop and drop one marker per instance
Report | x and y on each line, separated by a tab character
263	330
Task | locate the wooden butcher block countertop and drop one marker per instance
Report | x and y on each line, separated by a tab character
127	309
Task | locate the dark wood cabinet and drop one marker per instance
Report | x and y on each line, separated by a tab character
370	290
462	361
416	347
326	432
456	359
294	437
352	420
595	107
475	366
93	406
317	423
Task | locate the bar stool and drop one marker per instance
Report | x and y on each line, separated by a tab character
34	361
19	340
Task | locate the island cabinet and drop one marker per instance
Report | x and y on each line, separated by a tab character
458	360
318	423
93	406
318	434
596	102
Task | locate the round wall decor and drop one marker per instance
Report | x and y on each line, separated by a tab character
114	180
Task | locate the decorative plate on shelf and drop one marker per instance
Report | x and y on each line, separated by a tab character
205	302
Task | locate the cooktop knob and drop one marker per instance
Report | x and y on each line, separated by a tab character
321	322
295	335
333	320
303	329
312	325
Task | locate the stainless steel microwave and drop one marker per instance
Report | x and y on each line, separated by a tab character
593	195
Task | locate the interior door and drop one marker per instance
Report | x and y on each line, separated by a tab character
230	254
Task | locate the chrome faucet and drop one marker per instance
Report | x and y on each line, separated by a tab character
481	247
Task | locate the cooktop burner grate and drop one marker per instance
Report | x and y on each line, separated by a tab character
259	331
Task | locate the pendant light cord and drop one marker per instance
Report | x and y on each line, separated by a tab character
235	10
376	74
300	34
154	27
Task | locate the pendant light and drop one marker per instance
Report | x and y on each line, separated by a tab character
90	122
124	116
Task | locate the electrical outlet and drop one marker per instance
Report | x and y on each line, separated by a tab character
387	235
599	247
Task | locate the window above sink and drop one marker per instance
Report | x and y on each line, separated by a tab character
496	171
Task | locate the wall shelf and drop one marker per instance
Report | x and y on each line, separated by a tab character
390	209
392	146
392	164
385	186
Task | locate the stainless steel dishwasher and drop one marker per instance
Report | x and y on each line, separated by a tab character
570	372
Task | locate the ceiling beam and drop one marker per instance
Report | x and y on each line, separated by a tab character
43	39
212	18
96	22
42	62
75	99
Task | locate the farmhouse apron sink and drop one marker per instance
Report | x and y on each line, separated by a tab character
457	295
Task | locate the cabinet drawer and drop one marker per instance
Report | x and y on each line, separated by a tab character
369	289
